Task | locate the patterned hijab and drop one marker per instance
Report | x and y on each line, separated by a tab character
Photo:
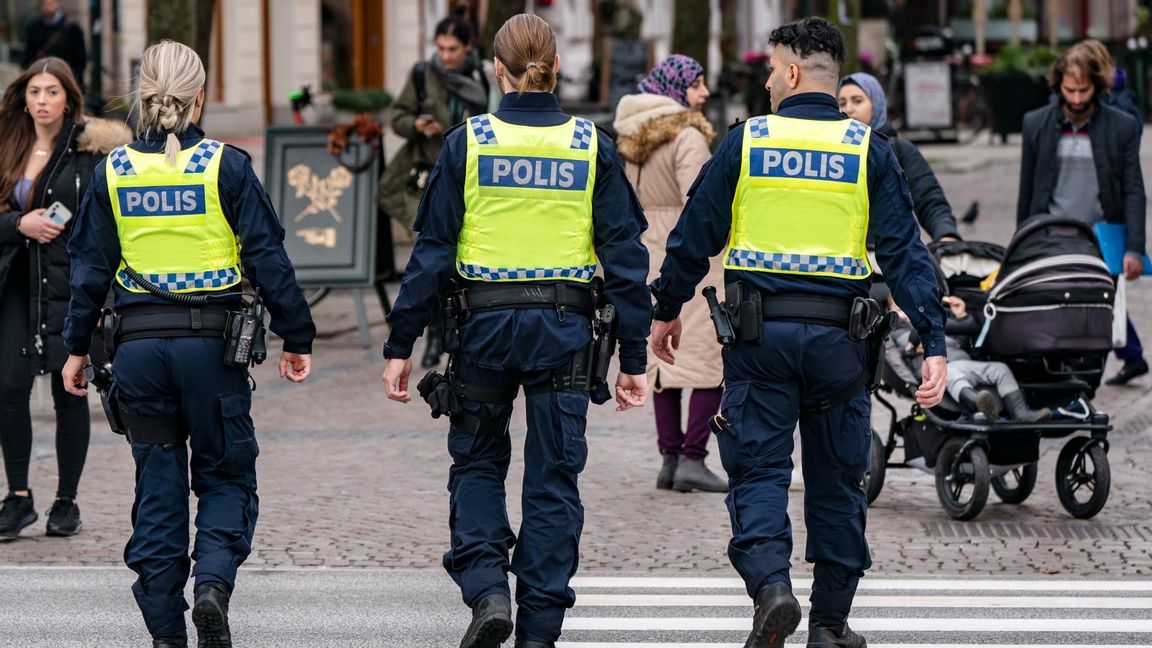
672	77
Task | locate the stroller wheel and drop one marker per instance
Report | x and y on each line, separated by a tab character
1083	477
878	466
1014	486
962	479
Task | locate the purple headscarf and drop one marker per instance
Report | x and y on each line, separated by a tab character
672	77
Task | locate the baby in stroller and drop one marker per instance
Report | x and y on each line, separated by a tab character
967	378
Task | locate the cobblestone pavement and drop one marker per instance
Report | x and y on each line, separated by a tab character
348	479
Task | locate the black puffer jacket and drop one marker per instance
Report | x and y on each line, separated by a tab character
65	178
928	200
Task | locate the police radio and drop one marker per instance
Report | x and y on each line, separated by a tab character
245	335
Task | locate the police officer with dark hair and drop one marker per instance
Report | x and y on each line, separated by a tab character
175	220
791	195
519	207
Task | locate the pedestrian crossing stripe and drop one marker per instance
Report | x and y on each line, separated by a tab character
894	624
866	584
965	609
801	645
741	600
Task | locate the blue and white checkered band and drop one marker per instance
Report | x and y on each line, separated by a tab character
121	165
758	127
202	156
845	266
582	136
855	133
482	129
175	281
486	273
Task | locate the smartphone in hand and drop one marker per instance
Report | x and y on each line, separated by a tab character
58	213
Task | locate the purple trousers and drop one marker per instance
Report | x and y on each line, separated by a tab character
674	439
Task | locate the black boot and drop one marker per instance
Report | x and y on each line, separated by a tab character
64	518
1019	411
692	474
777	615
667	470
210	616
981	401
175	641
491	622
835	636
17	512
524	643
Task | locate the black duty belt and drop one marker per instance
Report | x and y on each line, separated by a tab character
480	296
169	321
811	309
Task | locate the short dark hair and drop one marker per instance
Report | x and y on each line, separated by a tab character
457	27
809	36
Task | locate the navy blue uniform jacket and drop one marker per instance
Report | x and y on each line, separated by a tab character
617	218
704	227
95	251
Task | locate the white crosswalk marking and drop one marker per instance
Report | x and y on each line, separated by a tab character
687	612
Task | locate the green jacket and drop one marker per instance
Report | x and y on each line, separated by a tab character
398	194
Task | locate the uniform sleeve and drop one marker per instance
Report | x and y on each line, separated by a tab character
907	265
439	218
619	221
702	230
94	248
932	208
262	253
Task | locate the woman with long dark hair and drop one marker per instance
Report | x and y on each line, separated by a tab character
47	151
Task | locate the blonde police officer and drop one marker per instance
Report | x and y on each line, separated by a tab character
790	196
519	207
186	214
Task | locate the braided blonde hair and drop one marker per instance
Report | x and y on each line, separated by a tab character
171	76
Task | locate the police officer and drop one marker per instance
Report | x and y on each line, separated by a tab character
519	206
792	195
187	215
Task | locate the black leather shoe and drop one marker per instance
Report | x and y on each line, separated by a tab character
522	643
777	615
210	616
170	642
1129	371
837	636
491	622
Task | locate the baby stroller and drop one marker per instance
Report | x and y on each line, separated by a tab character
1048	316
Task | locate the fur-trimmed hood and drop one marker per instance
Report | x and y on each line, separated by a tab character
100	136
645	122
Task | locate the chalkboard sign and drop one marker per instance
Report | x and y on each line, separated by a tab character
328	212
626	62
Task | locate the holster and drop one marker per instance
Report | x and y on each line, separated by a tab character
156	430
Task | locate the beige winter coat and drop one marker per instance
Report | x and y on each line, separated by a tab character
664	145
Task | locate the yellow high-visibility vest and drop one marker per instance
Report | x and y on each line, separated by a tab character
171	226
801	203
528	202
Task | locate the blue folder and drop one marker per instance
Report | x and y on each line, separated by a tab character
1111	238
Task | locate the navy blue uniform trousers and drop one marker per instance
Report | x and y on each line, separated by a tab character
764	388
188	377
526	347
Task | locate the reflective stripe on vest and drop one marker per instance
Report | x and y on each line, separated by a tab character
801	202
528	202
171	226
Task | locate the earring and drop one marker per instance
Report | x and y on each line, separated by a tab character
67	109
26	109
